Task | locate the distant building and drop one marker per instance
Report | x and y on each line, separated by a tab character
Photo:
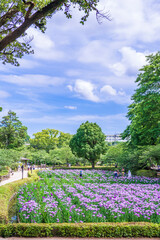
114	138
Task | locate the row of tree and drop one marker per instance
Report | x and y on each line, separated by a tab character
52	146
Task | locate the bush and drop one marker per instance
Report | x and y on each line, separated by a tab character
14	166
7	191
146	173
107	230
2	168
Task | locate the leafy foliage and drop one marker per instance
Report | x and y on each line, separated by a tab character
60	156
8	156
88	142
112	153
38	157
49	139
46	139
144	112
151	155
12	133
129	158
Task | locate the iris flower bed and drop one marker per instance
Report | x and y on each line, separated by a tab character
63	196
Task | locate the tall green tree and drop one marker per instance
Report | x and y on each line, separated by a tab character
47	139
17	16
89	142
144	112
12	133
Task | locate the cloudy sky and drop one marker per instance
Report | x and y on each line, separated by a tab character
81	73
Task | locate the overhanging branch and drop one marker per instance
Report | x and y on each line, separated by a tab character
53	6
31	6
8	15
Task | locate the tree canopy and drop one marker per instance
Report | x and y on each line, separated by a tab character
12	133
144	112
8	157
49	139
16	16
89	142
61	156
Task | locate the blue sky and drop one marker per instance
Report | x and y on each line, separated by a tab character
81	73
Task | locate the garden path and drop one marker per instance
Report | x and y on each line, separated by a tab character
16	176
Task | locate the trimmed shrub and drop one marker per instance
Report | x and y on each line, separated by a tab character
7	191
146	173
107	230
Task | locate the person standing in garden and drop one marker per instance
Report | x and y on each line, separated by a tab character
129	174
115	174
80	173
122	172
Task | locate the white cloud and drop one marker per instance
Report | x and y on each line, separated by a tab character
32	80
4	94
108	93
44	47
40	40
131	61
118	69
70	107
95	52
85	90
70	87
109	90
135	20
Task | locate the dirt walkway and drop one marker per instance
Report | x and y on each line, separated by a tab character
16	176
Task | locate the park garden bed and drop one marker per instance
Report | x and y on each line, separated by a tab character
63	196
63	204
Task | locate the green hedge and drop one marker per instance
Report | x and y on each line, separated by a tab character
85	168
80	230
146	173
7	191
